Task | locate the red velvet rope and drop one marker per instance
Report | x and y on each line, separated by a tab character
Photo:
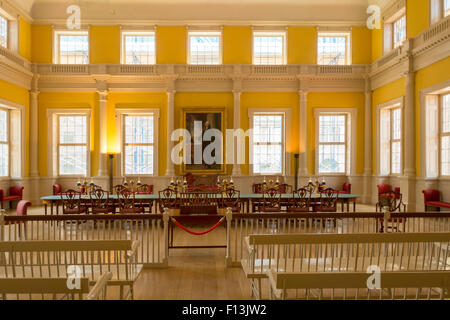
198	233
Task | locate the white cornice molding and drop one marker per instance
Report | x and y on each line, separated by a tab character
14	10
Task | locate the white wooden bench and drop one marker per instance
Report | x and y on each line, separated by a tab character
52	288
74	259
353	285
343	253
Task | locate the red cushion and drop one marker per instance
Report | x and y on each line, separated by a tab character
441	204
12	198
382	188
347	187
431	195
16	191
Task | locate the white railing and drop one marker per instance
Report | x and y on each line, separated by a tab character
17	59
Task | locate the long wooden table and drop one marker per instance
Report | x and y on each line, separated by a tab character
248	199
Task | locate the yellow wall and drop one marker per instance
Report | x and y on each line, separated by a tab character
24	39
302	45
20	96
427	77
381	95
237	45
67	100
171	45
41	44
336	100
417	17
104	44
377	44
361	45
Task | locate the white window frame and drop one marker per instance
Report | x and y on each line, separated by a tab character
53	139
388	30
436	92
350	162
8	141
286	162
2	17
348	43
392	104
56	40
120	139
270	33
12	19
205	33
17	127
438	6
124	34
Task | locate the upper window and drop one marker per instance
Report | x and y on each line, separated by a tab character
268	143
399	31
72	47
4	143
3	32
204	47
445	135
439	9
269	48
391	140
138	48
139	144
333	143
73	144
333	48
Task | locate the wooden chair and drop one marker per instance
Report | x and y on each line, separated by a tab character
285	188
271	201
100	202
167	199
392	202
71	203
145	189
127	201
327	203
231	198
300	201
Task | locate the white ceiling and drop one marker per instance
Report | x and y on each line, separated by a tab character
204	10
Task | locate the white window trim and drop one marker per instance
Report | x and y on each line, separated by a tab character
433	90
395	103
207	32
124	33
282	32
12	29
20	110
441	11
52	143
286	165
347	34
120	113
351	165
389	21
57	33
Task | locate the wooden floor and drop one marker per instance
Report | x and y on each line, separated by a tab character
193	274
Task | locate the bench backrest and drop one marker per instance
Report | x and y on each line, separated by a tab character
282	282
347	252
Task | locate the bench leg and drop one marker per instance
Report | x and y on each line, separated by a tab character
121	292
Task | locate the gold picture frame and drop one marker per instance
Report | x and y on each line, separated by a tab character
216	119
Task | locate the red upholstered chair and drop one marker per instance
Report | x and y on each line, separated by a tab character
384	188
15	193
71	201
57	189
432	198
271	201
21	210
300	201
346	188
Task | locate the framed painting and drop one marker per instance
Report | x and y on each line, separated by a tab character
197	121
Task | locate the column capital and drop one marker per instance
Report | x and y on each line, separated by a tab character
103	95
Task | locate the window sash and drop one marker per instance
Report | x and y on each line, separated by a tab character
75	53
344	143
334	56
139	57
258	162
3	32
262	55
399	31
82	147
5	155
205	54
444	134
144	150
391	128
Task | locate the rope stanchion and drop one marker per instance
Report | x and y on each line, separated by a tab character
198	233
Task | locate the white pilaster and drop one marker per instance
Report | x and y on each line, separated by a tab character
34	127
103	138
236	125
303	126
367	143
170	171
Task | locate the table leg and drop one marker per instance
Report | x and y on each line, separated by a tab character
354	205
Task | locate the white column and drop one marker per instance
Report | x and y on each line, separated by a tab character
303	126
34	127
410	130
367	142
170	171
236	125
103	139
